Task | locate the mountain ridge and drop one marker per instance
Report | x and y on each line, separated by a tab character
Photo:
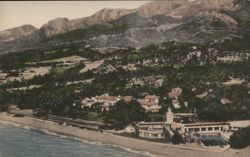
17	32
207	14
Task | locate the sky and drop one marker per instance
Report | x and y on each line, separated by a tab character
37	13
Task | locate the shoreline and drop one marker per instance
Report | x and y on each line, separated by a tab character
136	145
49	133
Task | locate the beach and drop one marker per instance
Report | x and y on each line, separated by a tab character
159	149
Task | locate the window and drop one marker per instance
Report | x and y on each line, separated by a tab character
210	129
216	128
203	129
196	129
191	130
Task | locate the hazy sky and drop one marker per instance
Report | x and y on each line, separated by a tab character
14	13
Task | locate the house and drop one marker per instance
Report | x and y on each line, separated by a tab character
106	100
150	103
151	130
176	104
152	98
87	103
155	130
203	95
174	94
225	101
229	59
3	76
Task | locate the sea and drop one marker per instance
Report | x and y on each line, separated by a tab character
24	141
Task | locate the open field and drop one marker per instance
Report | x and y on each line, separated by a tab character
66	59
27	74
233	82
91	65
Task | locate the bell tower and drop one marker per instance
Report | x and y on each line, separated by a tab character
169	116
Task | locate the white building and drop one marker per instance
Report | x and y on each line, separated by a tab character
155	130
105	99
204	128
169	116
151	130
150	103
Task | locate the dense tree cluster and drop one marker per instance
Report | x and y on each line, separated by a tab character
124	113
177	138
240	139
167	60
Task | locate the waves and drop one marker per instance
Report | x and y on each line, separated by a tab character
10	123
47	132
144	153
29	128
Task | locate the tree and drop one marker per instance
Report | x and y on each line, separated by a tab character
124	113
177	138
240	139
96	107
216	112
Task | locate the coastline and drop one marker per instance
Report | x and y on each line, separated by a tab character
123	142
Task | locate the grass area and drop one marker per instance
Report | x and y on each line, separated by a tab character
91	65
93	116
60	70
65	59
156	116
73	58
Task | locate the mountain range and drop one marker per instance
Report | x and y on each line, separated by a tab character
154	22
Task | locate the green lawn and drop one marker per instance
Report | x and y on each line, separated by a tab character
93	116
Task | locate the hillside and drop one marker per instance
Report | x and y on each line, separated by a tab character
214	77
16	33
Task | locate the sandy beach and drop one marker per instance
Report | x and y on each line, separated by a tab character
131	143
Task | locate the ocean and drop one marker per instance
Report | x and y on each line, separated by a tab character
24	141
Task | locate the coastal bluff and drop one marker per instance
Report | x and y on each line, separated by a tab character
131	143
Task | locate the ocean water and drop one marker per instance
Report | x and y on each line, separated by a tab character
24	141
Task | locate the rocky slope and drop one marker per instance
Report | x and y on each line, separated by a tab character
169	8
54	27
154	22
16	33
198	21
102	16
